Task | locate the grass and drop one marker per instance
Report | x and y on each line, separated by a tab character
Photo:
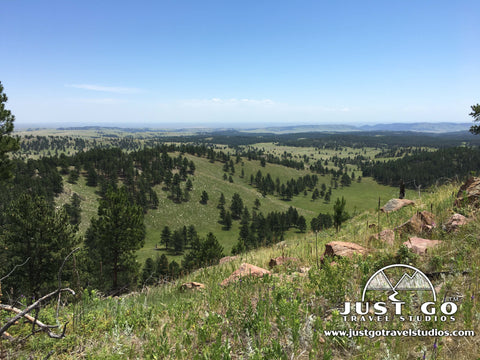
282	316
209	177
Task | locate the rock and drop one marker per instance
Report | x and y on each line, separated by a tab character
343	249
227	259
386	236
469	192
281	260
245	270
455	221
420	222
396	204
420	246
192	285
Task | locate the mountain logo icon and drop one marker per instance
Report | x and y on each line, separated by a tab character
380	281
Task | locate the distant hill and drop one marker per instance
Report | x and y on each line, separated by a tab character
419	127
441	127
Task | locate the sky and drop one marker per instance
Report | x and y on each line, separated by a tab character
227	63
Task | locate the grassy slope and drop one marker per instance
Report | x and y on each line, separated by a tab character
281	317
209	177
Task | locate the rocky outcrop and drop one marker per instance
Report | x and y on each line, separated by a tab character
454	222
192	285
420	246
420	222
387	236
282	260
343	249
245	270
396	204
469	193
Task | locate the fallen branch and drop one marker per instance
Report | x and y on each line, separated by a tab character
24	314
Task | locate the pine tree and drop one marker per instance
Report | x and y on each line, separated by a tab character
210	250
237	206
148	272
340	215
301	224
177	241
165	237
227	221
114	237
92	177
221	201
34	230
73	209
204	198
7	142
161	266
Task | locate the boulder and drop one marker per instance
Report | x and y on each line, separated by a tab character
386	236
420	246
192	285
455	221
469	192
227	259
245	270
343	249
396	204
281	260
420	222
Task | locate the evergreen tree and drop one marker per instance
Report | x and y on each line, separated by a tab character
204	198
174	269
34	230
177	241
475	129
148	272
73	209
161	266
210	250
340	215
189	185
92	177
237	206
114	237
221	201
345	180
7	142
191	166
165	237
227	221
321	222
73	176
302	224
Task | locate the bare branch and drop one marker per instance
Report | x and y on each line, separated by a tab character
22	313
16	266
60	279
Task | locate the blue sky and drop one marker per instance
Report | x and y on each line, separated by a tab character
239	63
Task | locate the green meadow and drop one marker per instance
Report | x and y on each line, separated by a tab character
209	177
